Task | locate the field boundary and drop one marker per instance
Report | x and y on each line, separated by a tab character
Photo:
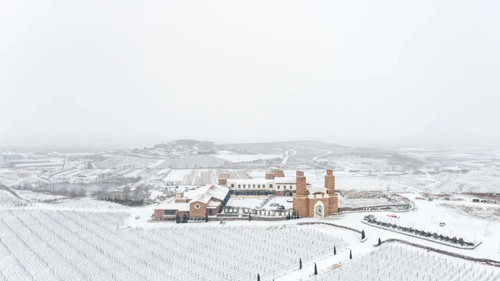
423	238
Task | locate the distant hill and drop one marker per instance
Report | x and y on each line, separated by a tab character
306	151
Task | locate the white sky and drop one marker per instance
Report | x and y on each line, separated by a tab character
347	72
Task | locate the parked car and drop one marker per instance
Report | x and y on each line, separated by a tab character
280	207
442	224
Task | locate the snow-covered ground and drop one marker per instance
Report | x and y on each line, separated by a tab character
401	262
111	228
69	245
285	201
243	202
239	158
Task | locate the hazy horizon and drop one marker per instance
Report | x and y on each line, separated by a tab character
350	73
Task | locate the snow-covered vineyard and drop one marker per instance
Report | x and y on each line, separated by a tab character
71	245
400	262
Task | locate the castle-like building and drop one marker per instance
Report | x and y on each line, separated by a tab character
315	202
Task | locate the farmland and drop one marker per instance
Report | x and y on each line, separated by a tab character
398	262
70	245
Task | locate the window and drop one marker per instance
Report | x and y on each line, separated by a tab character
232	185
170	212
259	185
254	186
290	187
239	185
271	185
197	206
278	187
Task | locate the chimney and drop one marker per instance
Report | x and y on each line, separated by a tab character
279	174
269	176
330	181
223	179
301	184
179	197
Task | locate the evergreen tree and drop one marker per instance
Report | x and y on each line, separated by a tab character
177	219
184	219
300	263
206	217
334	250
363	236
315	269
258	277
350	254
249	217
379	241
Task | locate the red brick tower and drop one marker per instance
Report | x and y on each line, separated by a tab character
300	199
330	181
330	186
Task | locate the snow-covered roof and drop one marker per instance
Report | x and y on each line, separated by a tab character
203	198
251	181
213	204
313	189
292	180
216	191
173	206
203	194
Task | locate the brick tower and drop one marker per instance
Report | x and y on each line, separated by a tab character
330	186
318	202
300	199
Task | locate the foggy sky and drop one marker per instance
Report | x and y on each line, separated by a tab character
347	72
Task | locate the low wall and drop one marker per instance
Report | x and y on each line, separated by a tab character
383	208
331	224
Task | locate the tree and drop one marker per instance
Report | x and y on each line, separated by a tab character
334	250
177	218
184	219
249	217
379	241
350	254
81	193
300	263
363	236
258	277
206	217
138	193
315	269
126	192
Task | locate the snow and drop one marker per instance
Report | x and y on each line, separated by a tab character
52	242
401	262
177	175
243	202
238	158
281	200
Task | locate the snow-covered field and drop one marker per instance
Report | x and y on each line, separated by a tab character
9	200
401	262
69	245
37	196
239	158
